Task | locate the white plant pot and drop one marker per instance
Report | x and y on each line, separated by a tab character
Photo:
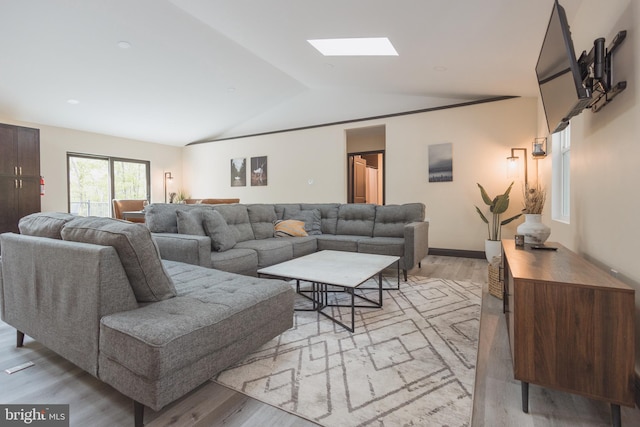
492	248
533	229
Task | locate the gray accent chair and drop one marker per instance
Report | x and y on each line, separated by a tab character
398	230
77	299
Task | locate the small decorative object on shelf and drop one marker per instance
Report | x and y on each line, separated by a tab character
539	148
532	228
519	240
180	197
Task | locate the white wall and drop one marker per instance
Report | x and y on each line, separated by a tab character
605	148
363	139
294	160
481	135
55	142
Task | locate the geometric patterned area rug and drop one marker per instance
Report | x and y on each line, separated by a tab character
409	363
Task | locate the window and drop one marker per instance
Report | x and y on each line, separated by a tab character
95	180
561	175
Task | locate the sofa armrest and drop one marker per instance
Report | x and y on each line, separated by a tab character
416	243
57	291
187	248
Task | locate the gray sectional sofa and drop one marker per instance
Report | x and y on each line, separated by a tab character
248	239
155	310
95	291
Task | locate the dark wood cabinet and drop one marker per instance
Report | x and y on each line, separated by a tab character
571	325
19	174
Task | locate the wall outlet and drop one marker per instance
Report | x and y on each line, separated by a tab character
613	272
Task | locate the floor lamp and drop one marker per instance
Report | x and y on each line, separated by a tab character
167	178
512	165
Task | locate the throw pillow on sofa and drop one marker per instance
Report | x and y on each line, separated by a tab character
311	219
222	236
136	249
44	224
190	222
289	228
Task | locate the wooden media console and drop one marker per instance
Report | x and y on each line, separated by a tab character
571	325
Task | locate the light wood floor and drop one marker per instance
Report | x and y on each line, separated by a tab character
496	401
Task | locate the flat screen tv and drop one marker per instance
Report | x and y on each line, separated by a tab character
561	85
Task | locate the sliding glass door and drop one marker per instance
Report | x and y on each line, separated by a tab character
93	181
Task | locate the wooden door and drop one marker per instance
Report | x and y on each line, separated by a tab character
28	196
28	143
359	180
19	174
372	185
8	150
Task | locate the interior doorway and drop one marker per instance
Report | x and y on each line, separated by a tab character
366	165
366	178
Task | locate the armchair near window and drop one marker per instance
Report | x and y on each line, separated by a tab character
122	205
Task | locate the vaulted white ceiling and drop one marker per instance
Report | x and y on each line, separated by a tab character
198	70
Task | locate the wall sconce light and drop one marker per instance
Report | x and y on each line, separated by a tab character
539	148
167	179
512	164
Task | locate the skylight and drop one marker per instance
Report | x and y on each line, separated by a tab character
374	46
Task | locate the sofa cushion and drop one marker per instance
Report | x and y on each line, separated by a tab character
328	215
311	219
331	242
212	311
236	260
289	228
262	217
222	236
393	246
270	251
280	207
136	249
190	222
356	219
161	217
237	217
44	224
302	245
391	219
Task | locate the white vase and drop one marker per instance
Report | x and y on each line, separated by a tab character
533	229
492	248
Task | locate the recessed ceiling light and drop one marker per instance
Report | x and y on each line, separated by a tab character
373	46
124	44
73	101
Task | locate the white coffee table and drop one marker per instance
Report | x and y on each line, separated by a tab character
346	270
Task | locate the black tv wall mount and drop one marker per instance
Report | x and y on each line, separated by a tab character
596	69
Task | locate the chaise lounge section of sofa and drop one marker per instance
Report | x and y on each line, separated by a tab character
398	230
103	299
